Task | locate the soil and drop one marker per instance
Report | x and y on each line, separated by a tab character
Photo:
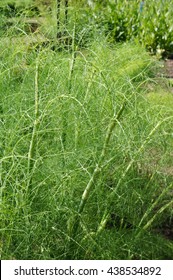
168	65
165	229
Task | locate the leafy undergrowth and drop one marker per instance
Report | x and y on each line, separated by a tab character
78	131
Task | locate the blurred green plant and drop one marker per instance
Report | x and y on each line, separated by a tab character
124	20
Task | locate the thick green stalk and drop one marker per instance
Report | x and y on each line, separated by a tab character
163	208
98	168
153	206
111	197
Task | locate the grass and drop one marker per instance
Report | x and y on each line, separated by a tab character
86	153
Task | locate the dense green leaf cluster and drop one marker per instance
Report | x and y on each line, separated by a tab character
151	24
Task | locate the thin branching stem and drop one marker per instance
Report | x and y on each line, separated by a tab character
112	195
66	13
145	216
70	76
98	168
58	17
32	151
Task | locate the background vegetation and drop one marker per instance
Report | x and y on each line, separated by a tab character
85	131
150	23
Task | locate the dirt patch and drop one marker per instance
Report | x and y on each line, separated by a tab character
168	67
166	229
